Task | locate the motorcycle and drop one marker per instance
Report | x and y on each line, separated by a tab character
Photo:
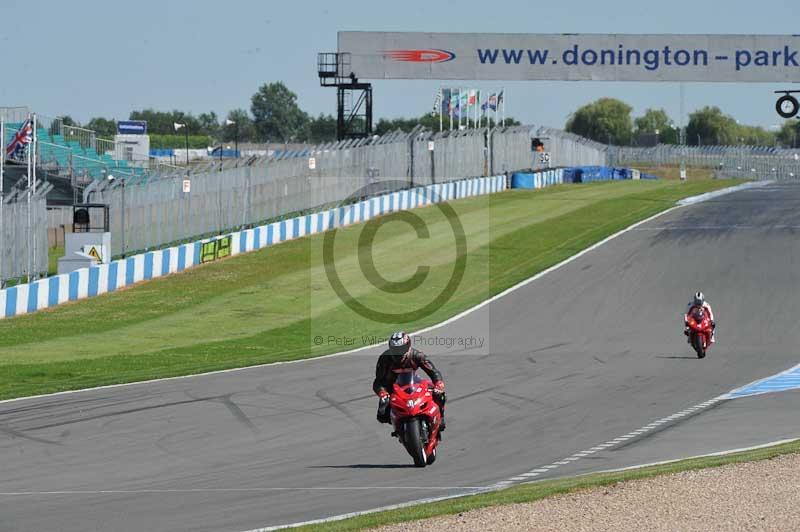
699	332
416	417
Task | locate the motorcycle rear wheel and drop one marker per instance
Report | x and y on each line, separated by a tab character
412	439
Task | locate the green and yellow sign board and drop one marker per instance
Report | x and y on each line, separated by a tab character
215	249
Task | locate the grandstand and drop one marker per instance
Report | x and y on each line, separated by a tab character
76	154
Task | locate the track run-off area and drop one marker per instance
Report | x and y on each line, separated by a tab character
589	354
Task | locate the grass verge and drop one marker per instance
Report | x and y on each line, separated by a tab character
534	491
272	305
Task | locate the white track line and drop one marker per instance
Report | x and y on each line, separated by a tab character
506	484
624	439
426	329
235	490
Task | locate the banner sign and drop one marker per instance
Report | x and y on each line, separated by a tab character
132	127
571	57
215	249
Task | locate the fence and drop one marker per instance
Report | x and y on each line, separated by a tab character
225	197
88	282
18	253
728	161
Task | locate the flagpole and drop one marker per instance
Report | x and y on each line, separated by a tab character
503	92
441	103
2	197
35	151
496	109
28	190
460	110
450	108
477	99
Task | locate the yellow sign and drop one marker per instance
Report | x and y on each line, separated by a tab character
95	254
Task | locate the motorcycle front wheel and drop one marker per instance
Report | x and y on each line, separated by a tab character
412	439
697	343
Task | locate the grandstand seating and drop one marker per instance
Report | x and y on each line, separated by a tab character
56	150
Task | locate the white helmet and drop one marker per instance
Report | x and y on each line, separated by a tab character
699	299
399	343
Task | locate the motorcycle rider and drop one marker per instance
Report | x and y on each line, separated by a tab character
398	358
698	302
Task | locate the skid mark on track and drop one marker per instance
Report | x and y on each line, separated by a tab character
338	406
13	433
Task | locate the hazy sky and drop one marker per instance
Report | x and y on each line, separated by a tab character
90	58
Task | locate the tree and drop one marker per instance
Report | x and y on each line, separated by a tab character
276	114
160	122
710	126
606	120
756	136
104	127
789	134
209	124
244	127
321	129
68	121
656	122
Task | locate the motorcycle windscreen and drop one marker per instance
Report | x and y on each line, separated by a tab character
407	378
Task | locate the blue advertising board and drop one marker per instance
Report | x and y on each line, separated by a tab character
132	127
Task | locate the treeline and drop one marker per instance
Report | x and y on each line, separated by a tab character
609	121
274	116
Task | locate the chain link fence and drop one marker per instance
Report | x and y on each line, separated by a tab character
747	162
23	244
244	192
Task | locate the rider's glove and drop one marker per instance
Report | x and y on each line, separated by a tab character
383	395
713	325
438	387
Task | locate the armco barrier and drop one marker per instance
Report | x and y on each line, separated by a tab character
89	282
537	179
578	174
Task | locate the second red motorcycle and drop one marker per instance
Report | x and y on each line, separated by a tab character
700	331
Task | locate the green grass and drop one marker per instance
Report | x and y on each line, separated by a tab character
269	305
53	254
534	491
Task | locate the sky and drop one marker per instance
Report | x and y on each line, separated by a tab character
89	58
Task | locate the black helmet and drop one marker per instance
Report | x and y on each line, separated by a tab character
699	299
399	343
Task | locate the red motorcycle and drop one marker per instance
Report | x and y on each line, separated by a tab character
416	417
700	331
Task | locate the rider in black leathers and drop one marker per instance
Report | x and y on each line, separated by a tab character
400	356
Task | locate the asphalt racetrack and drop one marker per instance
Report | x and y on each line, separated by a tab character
581	356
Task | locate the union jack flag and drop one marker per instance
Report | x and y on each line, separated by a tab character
23	137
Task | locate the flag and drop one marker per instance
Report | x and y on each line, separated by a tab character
455	104
492	101
500	97
464	100
473	98
23	137
437	104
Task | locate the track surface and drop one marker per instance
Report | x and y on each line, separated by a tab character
589	352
